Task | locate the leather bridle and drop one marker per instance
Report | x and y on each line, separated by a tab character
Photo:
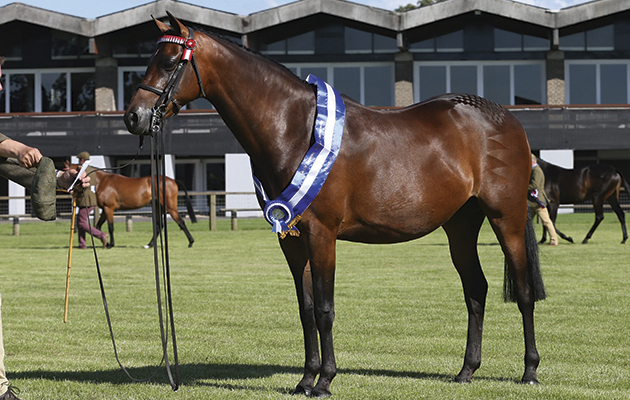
166	95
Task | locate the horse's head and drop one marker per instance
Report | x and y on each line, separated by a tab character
171	80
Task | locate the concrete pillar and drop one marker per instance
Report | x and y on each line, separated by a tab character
403	90
106	77
555	77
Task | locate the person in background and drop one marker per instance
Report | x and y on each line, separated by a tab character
42	181
537	200
86	201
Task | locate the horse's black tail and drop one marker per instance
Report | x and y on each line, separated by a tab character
624	183
189	207
534	276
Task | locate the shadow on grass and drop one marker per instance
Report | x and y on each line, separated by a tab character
203	374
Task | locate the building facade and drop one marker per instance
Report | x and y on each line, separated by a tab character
77	74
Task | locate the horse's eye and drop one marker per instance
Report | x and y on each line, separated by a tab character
169	64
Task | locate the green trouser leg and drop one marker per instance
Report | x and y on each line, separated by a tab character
41	181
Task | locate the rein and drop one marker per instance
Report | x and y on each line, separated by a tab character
161	258
159	214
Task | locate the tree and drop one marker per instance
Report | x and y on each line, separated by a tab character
420	3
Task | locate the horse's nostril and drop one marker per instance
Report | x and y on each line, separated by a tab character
133	119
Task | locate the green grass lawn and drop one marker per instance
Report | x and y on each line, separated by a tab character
400	325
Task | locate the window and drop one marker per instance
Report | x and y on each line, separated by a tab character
66	46
128	80
597	82
506	83
54	89
58	90
448	43
22	92
301	44
83	85
130	77
357	41
371	85
512	41
599	39
507	41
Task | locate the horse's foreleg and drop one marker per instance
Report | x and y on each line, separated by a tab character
553	215
614	203
598	206
462	230
296	254
322	262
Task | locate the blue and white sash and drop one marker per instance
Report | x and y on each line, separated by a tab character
286	210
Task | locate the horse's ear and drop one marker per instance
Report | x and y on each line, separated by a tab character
161	25
177	26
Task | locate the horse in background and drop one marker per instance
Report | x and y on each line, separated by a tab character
597	182
117	192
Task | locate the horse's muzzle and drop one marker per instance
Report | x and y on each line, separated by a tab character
138	121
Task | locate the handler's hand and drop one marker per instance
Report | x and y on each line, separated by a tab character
26	156
66	177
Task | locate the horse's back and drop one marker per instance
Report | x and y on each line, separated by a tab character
409	170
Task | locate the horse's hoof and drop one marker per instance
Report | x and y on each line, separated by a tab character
146	246
570	239
109	245
190	244
320	392
533	381
585	241
301	390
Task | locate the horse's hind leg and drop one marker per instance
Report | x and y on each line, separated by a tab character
598	206
182	226
107	215
614	203
462	230
518	242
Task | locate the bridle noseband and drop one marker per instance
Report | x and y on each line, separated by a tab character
166	94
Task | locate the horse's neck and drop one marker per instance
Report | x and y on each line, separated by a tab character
269	111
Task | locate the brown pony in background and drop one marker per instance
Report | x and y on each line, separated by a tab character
117	192
400	174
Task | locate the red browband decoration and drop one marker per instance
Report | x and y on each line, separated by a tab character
189	44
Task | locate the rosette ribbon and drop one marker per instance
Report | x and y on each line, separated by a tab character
285	211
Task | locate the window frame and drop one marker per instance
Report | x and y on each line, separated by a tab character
480	81
330	73
6	73
598	64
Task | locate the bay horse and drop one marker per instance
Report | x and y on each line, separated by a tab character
597	182
399	175
117	192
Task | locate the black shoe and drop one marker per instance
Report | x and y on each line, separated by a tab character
11	394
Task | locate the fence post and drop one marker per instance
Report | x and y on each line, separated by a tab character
16	226
213	212
129	222
234	220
